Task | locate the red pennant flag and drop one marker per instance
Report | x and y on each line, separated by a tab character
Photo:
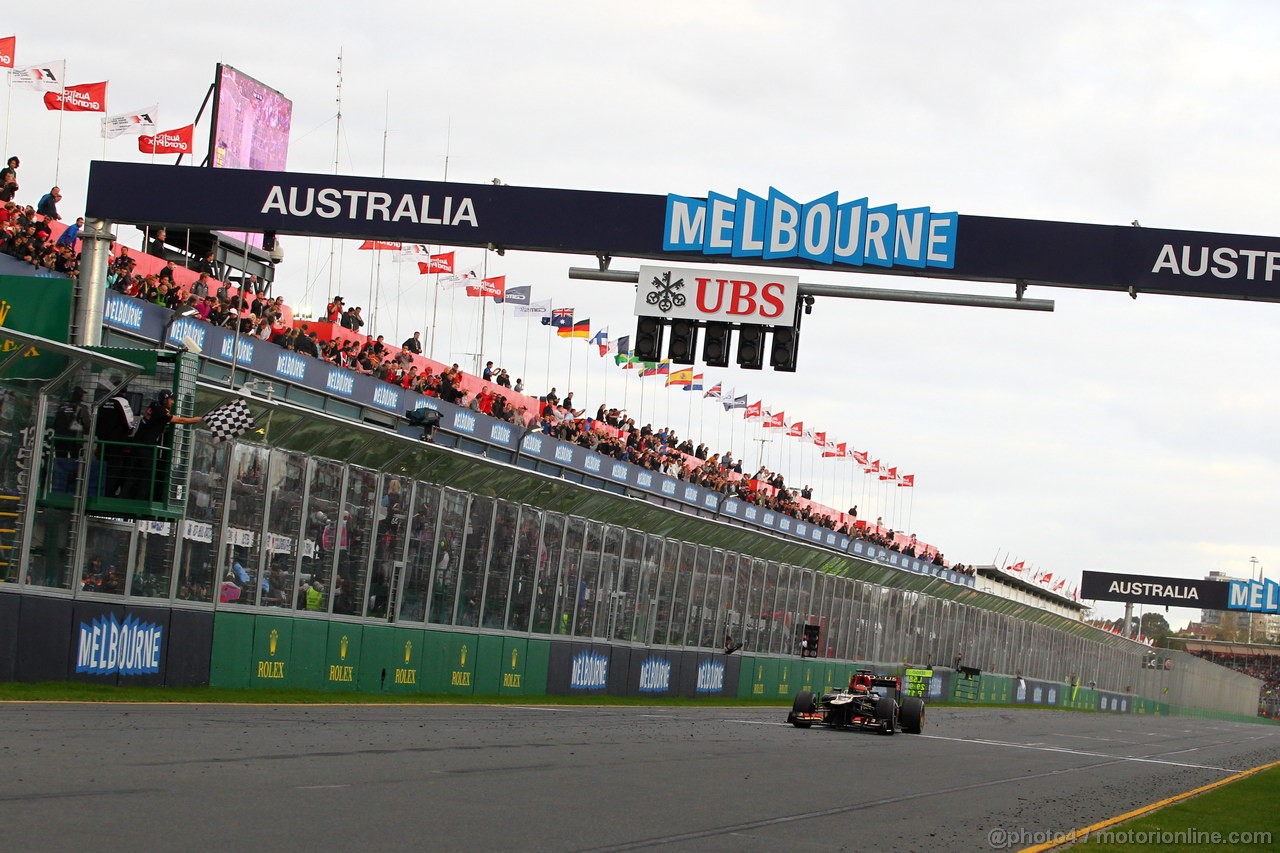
437	263
496	286
752	411
176	141
820	439
81	98
379	246
7	47
796	430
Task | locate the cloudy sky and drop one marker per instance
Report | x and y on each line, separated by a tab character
1112	434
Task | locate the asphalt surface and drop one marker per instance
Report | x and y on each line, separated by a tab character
180	777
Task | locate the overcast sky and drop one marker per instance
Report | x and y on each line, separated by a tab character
1112	434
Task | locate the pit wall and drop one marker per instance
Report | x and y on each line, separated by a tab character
43	639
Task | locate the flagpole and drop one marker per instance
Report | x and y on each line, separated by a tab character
8	105
62	111
484	274
524	362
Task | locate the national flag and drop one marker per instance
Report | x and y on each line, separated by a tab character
8	46
42	77
775	421
379	246
715	392
796	430
542	309
696	384
731	402
889	474
624	345
135	123
601	339
680	377
516	295
559	318
176	141
907	481
494	286
626	361
80	98
576	329
837	451
820	439
441	263
755	410
662	368
229	420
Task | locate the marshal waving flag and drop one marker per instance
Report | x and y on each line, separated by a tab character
176	141
229	420
442	263
79	98
42	77
8	46
135	123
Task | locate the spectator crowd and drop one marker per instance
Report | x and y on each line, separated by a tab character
27	233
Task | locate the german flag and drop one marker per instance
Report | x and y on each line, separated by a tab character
579	329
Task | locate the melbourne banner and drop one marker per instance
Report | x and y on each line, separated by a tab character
108	646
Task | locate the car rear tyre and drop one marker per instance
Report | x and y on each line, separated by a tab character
887	714
803	704
912	715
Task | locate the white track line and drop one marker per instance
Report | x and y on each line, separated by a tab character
1081	752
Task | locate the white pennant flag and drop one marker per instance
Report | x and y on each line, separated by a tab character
135	123
534	309
461	279
43	77
411	252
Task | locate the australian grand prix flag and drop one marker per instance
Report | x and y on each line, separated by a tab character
824	230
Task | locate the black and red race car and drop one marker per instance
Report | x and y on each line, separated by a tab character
871	702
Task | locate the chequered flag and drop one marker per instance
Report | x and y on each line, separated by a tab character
229	420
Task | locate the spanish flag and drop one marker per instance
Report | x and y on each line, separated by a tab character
680	377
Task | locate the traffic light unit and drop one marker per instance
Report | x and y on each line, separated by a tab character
682	347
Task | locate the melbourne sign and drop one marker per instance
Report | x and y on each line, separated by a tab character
723	296
108	646
823	230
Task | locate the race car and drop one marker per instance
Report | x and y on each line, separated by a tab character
871	702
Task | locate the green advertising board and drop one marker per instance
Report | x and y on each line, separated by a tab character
39	306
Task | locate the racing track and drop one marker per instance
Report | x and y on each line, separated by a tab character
180	777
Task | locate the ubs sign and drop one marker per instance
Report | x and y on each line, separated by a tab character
765	299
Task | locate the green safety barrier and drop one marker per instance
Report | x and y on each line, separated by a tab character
229	665
271	664
342	656
391	660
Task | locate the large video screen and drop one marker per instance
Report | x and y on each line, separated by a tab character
250	124
250	130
